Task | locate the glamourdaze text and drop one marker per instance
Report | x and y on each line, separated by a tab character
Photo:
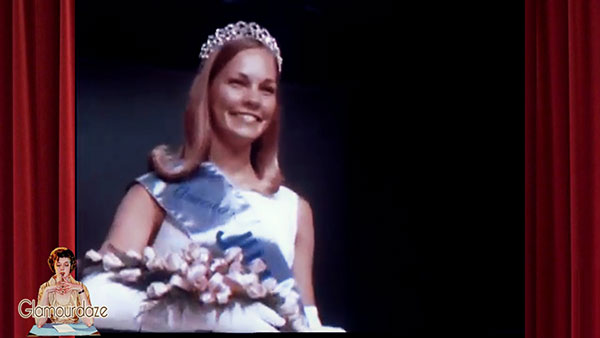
60	311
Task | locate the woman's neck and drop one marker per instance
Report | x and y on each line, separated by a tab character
234	162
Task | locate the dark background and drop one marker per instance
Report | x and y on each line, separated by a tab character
402	126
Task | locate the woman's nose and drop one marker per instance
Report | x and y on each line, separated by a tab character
252	99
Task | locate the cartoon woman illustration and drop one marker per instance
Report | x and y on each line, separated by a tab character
62	290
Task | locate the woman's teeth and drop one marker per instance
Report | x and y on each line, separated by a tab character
249	118
246	117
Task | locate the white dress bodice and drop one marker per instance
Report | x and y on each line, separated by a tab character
270	217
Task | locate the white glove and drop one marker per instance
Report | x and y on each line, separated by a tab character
314	323
121	301
233	317
255	317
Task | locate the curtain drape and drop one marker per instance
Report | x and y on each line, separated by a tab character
37	147
562	168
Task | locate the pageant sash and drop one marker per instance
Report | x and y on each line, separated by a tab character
204	201
207	200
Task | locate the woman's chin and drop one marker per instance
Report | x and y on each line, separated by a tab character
244	135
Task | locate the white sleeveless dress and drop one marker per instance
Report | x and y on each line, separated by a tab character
272	219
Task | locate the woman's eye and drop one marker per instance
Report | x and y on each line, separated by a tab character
236	82
269	90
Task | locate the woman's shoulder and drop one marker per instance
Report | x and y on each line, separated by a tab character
204	175
73	280
286	190
287	193
49	282
297	202
300	203
138	196
43	286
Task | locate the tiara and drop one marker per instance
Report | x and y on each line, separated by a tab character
240	30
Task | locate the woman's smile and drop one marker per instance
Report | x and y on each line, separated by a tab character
246	117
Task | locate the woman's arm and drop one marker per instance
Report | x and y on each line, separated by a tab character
303	257
303	261
42	301
136	222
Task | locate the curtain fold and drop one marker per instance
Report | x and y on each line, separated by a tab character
66	146
562	168
37	147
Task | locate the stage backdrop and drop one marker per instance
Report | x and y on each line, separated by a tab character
562	87
37	147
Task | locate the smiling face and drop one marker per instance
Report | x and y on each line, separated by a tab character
62	267
243	96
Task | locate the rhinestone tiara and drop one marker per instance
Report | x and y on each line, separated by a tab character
240	30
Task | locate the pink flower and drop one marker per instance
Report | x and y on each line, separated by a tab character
257	266
93	255
179	282
175	263
232	281
256	290
193	252
196	275
157	263
223	295
270	284
289	309
285	287
111	261
130	275
248	279
149	254
134	255
290	306
234	254
236	267
219	265
204	255
215	283
207	297
197	270
157	289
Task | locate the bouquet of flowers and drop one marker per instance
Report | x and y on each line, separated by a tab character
197	274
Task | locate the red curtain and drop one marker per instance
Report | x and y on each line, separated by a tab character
562	157
37	147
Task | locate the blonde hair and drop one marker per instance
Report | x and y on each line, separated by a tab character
198	131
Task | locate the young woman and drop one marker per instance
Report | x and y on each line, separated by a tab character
222	187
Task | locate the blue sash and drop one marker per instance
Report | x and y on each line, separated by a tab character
203	201
206	200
